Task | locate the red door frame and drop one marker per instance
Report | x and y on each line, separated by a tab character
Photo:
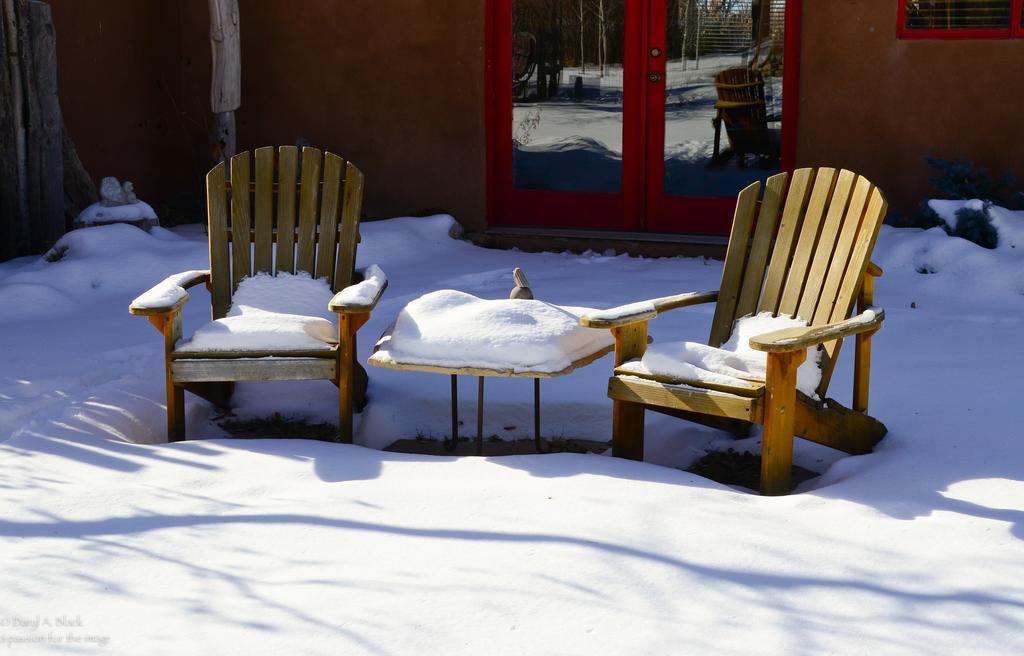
640	205
536	207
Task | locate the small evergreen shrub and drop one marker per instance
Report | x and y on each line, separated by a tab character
975	224
925	217
961	180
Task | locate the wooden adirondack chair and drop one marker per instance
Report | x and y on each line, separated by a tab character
809	260
243	232
742	110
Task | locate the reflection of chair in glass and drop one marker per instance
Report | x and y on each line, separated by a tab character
524	63
741	108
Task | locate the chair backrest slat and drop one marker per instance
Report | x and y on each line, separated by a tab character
844	248
830	232
820	248
217	227
789	228
853	278
287	175
810	230
243	227
349	230
241	223
309	207
263	252
735	261
327	246
760	247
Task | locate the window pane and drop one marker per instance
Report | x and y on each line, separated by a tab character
567	94
723	94
958	14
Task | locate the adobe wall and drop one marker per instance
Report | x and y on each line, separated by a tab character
878	105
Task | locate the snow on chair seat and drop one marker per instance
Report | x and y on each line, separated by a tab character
283	235
800	249
734	367
282	313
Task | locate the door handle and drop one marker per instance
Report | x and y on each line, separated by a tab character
654	77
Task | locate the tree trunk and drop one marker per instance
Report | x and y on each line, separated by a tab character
79	188
45	134
13	202
583	60
31	131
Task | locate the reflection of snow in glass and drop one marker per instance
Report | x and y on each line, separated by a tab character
576	145
573	141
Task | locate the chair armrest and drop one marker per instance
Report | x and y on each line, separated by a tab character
874	270
168	295
738	104
362	297
644	310
796	339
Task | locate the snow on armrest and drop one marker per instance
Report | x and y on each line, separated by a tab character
644	310
169	294
363	296
620	316
795	339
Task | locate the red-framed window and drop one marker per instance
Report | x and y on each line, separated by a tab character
960	19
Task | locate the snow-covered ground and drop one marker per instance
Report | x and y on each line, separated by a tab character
114	542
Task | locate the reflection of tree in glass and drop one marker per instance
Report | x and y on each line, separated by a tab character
580	32
751	28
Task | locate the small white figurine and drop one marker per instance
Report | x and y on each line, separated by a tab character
113	193
522	289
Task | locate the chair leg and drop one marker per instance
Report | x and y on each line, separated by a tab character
346	364
717	121
348	325
628	430
175	412
170	326
779	420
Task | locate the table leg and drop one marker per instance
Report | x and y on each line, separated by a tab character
536	415
453	443
480	417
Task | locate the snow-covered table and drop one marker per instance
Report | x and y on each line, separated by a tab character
454	333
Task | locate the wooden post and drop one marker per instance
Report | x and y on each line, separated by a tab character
779	420
627	417
862	350
226	81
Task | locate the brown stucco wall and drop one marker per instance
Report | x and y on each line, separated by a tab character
879	105
394	85
121	69
398	86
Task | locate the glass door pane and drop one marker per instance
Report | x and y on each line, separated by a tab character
567	95
723	94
